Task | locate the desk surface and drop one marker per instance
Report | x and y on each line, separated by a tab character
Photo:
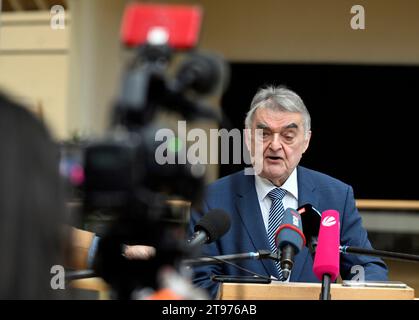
277	291
309	291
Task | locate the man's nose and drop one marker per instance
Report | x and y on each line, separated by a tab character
276	143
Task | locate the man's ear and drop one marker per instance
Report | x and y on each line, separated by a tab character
307	141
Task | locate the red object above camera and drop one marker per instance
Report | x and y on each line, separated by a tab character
175	25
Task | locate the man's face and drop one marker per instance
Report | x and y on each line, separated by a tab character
281	136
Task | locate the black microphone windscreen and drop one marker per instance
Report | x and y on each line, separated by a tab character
310	218
216	223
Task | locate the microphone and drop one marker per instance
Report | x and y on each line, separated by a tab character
326	260
310	218
211	227
289	240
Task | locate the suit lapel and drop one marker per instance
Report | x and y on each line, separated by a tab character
248	207
306	188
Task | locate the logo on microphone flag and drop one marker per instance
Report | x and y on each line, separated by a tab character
329	221
295	221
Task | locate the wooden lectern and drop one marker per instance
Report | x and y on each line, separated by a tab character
309	291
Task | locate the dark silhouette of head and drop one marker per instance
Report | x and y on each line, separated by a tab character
32	215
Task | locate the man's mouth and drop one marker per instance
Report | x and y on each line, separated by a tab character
274	158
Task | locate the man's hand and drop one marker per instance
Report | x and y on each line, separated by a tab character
138	252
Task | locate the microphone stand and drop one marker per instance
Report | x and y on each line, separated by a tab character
260	254
379	253
325	291
79	274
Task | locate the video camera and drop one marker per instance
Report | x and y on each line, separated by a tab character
120	174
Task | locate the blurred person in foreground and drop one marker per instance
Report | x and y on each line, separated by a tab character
32	215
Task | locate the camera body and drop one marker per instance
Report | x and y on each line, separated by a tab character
120	175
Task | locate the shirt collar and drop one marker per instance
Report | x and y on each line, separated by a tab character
264	186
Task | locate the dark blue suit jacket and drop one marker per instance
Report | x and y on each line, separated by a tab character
236	194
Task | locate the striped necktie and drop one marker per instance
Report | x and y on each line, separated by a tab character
276	213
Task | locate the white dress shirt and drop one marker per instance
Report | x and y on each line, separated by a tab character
264	186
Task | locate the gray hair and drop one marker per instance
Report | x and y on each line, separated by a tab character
278	98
